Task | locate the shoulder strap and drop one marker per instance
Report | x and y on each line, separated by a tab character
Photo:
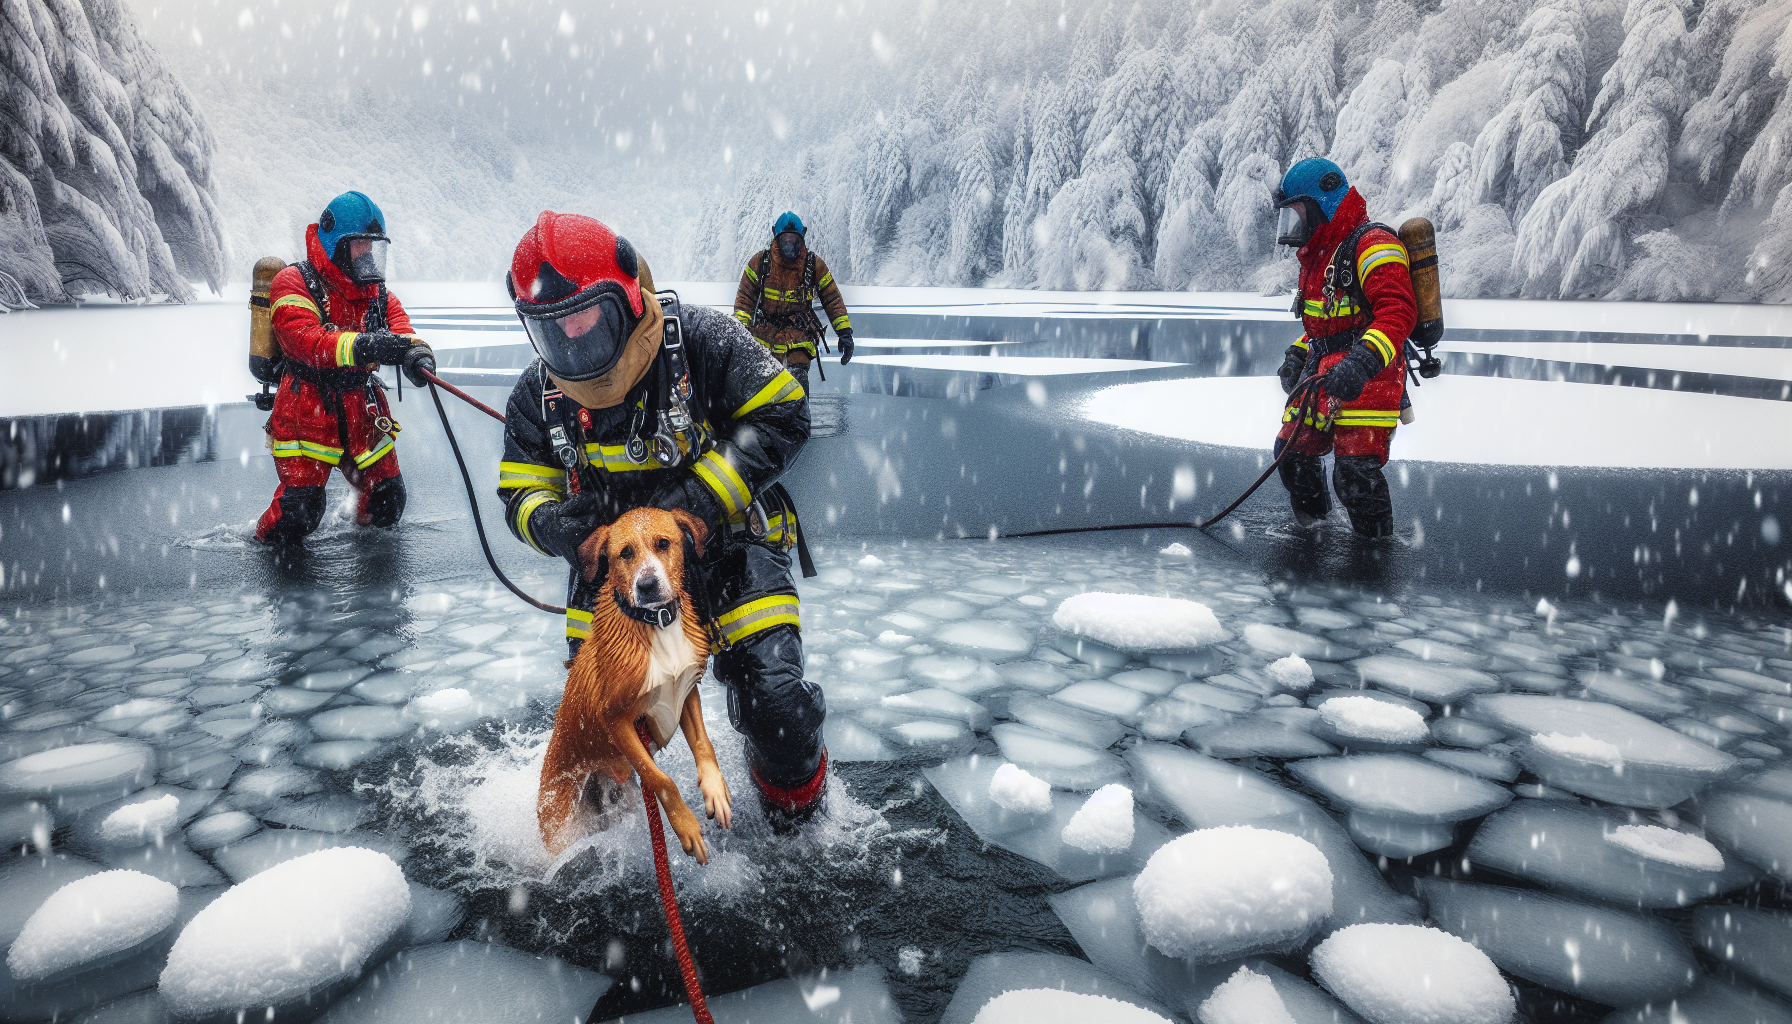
807	288
1344	262
314	283
765	267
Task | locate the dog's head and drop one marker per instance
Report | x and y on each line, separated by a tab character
641	554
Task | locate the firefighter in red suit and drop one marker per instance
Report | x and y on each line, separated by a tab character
1355	300
336	324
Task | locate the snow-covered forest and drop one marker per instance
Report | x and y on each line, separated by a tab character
105	164
1565	148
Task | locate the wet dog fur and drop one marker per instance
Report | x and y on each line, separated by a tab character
627	670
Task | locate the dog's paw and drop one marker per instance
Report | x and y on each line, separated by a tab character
690	835
716	801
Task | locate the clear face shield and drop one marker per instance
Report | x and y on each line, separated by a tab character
362	258
1296	222
790	246
583	336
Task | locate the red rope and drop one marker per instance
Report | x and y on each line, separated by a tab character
462	395
661	866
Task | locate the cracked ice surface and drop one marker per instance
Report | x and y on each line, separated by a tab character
1470	772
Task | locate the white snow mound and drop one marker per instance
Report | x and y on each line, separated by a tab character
1291	673
1669	846
89	919
1134	622
292	929
1223	892
1366	718
1104	823
1245	998
1177	549
1013	788
1580	748
1408	974
144	822
444	702
1056	1006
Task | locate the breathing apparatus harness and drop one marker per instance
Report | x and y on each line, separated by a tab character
804	320
335	383
1341	283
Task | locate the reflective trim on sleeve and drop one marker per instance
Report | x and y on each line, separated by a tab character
826	279
752	275
526	508
517	475
1375	255
301	301
375	454
723	480
1379	342
843	323
307	449
578	624
744	316
781	388
345	348
744	620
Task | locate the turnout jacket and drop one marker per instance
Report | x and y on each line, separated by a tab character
322	410
784	320
1335	326
754	418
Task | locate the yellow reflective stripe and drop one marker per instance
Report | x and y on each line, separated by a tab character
782	388
526	508
378	452
743	316
744	620
301	301
1375	339
614	458
1345	307
1300	342
307	449
843	323
1366	417
826	279
345	348
578	624
752	275
516	475
1376	255
721	478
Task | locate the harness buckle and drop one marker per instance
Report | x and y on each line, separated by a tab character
383	424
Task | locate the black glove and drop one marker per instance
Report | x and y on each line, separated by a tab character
1346	380
382	347
689	493
561	526
419	359
1293	362
845	340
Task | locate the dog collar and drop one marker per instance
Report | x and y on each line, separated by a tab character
663	616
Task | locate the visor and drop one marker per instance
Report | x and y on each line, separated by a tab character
362	258
583	336
1291	223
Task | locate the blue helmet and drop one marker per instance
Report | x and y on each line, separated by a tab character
789	222
350	218
1308	197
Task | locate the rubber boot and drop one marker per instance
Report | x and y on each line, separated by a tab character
1304	477
291	517
382	504
1363	490
788	808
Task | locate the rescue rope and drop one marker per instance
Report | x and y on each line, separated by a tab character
1307	393
462	395
472	495
669	900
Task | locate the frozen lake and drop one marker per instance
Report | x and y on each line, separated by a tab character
1536	749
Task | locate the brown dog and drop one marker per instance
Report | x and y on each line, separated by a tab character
629	669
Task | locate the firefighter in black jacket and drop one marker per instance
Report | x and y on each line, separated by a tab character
632	405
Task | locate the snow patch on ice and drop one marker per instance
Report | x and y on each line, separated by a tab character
1013	788
1177	549
144	822
1056	1006
1224	892
1581	747
294	928
1290	673
1404	973
1370	719
1104	824
1245	998
1134	622
871	562
1669	846
89	919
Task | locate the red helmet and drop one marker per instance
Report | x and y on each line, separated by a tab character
577	289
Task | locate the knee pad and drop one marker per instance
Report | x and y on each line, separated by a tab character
773	706
385	502
1363	490
1304	477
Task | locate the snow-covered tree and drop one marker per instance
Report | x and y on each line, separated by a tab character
105	165
1363	144
1093	236
1527	144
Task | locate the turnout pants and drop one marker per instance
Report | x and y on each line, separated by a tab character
1357	434
770	704
298	505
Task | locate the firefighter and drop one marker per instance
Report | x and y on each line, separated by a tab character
1355	299
336	324
776	296
632	405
